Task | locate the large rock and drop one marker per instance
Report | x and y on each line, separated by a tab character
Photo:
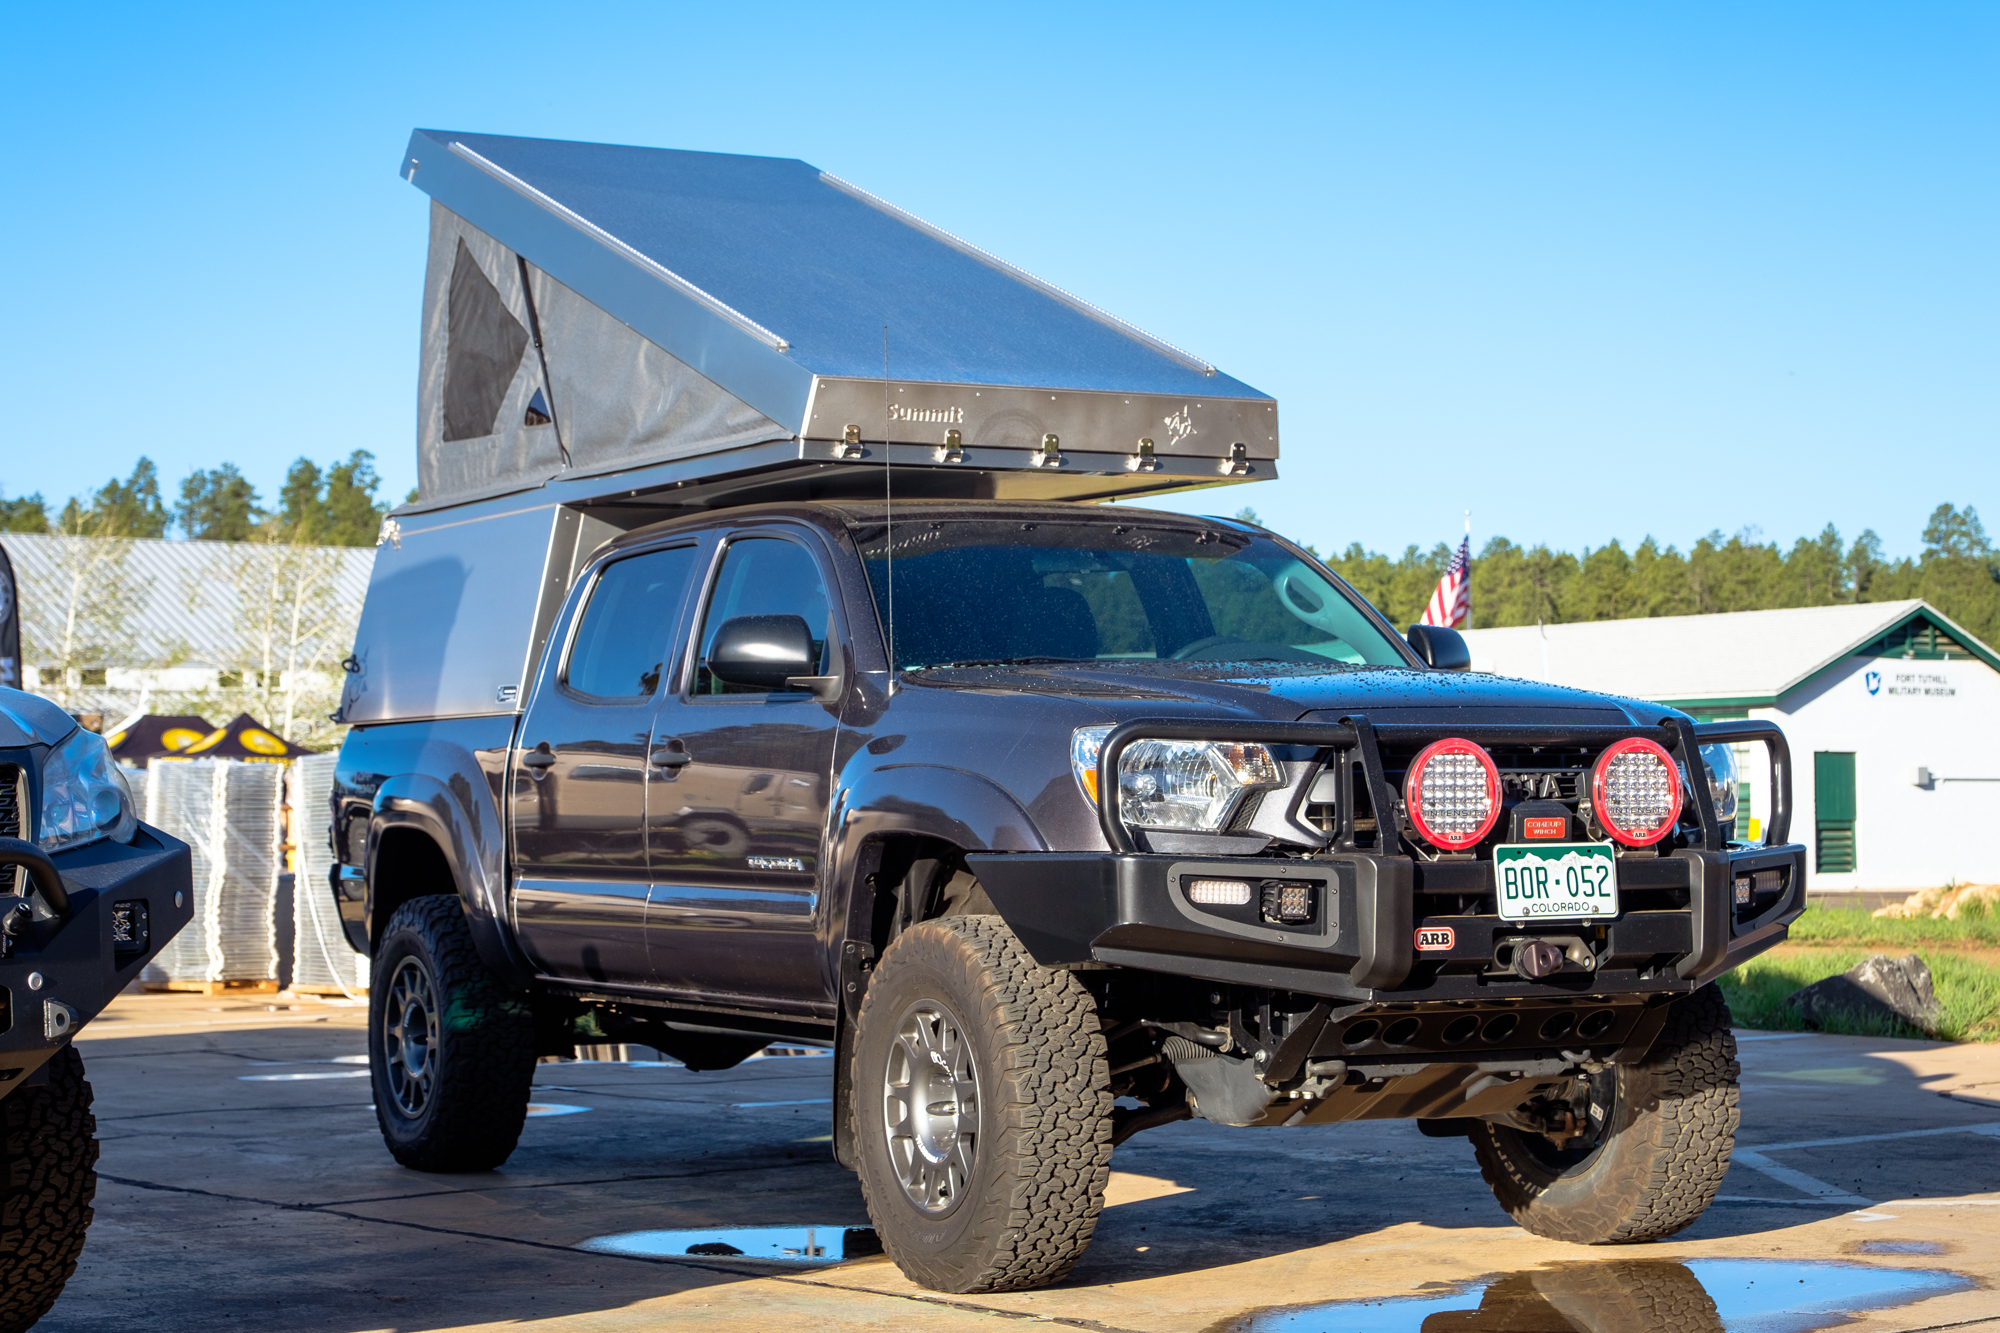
1880	989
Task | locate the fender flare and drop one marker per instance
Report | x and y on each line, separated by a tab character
425	804
953	805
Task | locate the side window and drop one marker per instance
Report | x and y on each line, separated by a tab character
622	641
762	576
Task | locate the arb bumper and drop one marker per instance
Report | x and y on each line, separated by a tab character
1691	916
86	922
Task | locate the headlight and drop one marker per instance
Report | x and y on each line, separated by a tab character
1720	761
1182	786
84	796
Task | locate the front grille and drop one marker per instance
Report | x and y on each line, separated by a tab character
12	799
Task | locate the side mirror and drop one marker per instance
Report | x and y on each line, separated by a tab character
762	652
770	653
1442	649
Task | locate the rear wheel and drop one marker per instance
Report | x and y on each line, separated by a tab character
982	1109
451	1053
1638	1152
48	1155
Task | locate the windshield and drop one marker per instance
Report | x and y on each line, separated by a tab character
980	591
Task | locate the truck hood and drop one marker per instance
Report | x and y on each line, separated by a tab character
1297	691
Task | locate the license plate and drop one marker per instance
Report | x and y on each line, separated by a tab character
1556	881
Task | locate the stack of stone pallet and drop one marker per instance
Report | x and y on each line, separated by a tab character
322	962
228	813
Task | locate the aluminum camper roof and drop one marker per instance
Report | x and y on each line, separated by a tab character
815	268
777	282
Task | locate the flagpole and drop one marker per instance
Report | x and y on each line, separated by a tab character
1468	569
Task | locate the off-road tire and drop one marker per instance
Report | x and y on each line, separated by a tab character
1043	1148
48	1152
483	1045
1660	1159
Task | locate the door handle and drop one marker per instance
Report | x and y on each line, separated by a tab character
671	756
538	758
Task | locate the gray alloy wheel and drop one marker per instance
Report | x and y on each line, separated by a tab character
451	1051
407	1021
930	1108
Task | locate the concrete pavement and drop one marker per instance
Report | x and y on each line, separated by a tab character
243	1184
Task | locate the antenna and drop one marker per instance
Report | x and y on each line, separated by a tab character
888	514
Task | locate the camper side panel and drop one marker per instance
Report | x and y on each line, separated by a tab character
457	608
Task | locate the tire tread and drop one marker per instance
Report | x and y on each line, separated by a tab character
1052	1131
48	1177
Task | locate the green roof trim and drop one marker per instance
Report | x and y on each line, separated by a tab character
1930	619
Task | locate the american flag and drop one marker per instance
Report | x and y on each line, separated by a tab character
1451	604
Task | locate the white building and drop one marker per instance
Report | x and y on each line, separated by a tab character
1892	713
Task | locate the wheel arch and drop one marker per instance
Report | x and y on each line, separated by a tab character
887	821
422	840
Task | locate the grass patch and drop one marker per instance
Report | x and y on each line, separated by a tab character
1967	987
1974	929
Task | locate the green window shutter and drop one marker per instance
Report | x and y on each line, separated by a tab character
1834	810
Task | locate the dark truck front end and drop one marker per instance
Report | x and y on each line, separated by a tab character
1376	978
88	896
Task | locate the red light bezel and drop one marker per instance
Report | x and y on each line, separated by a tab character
1635	837
1413	790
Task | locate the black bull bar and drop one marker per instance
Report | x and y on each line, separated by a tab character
1125	907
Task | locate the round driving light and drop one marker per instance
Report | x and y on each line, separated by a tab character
1636	791
1453	794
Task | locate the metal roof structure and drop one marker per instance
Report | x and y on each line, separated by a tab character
772	303
170	602
1740	659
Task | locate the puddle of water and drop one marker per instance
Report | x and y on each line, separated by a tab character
809	1101
789	1245
1700	1296
295	1078
553	1108
792	1052
646	1057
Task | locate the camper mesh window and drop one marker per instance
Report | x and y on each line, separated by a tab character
483	346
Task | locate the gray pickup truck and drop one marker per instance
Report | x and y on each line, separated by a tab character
713	694
88	896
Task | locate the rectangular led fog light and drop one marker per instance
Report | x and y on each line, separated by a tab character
1219	892
1287	904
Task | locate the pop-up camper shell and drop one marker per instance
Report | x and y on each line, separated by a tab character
613	336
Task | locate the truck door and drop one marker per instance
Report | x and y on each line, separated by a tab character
737	822
579	781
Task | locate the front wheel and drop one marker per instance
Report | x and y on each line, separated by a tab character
982	1109
1639	1151
48	1155
451	1053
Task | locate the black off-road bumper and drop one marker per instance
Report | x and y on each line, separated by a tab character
114	908
1682	925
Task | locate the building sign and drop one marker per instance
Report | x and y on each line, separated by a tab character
1914	683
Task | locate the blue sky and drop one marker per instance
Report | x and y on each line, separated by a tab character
1590	271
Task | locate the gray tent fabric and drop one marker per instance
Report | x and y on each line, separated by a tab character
623	401
508	455
482	350
618	400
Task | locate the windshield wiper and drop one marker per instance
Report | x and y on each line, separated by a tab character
1000	661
